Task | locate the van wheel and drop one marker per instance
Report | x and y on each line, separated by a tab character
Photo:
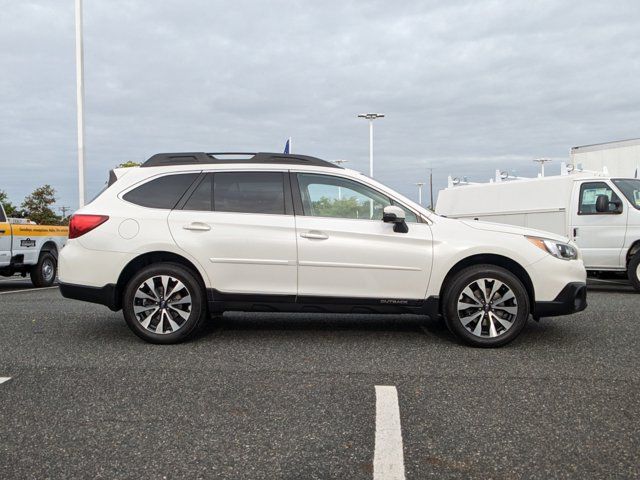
486	306
164	303
633	271
44	272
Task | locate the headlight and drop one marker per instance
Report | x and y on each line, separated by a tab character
557	249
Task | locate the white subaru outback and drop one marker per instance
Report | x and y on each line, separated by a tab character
188	235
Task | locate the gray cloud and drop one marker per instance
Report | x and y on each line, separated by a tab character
467	86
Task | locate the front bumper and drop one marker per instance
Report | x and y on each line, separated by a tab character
572	299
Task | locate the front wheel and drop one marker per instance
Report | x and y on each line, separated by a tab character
486	306
44	272
164	303
633	271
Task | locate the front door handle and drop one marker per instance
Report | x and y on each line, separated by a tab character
575	232
197	226
315	235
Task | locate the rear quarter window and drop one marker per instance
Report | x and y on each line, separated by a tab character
163	192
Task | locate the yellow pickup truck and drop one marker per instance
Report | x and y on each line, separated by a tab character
33	249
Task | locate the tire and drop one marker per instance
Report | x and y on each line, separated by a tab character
157	319
633	271
43	274
480	322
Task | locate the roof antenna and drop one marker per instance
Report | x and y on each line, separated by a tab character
542	161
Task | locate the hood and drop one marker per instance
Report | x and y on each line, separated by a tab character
502	228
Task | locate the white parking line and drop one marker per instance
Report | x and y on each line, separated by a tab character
4	379
27	290
388	458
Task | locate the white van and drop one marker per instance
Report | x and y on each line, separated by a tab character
601	214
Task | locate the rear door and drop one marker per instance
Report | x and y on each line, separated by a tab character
600	235
346	250
5	239
241	228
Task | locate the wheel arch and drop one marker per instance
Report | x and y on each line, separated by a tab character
490	259
49	247
150	258
633	250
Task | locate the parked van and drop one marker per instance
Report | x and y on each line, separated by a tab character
599	213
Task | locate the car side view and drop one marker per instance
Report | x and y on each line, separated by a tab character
191	235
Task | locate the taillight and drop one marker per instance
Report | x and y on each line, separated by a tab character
81	224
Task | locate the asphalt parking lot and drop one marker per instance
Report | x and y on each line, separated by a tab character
294	396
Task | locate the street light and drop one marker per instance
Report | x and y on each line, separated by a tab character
420	185
371	117
80	101
339	163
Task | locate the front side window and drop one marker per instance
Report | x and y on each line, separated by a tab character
163	192
630	187
329	196
249	192
589	193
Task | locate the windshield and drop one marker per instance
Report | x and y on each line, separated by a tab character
630	187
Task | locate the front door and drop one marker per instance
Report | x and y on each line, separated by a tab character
241	228
346	250
600	235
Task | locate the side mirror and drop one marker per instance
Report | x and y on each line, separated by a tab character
395	215
602	204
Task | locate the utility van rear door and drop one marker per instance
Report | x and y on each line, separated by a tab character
5	239
600	235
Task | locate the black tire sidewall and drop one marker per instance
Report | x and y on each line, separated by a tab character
37	277
632	270
465	277
198	306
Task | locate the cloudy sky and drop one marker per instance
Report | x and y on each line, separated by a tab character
467	86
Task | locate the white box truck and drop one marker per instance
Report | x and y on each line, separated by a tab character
620	158
600	213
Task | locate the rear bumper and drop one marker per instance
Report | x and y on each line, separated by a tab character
107	295
572	299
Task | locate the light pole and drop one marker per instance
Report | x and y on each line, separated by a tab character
80	101
371	117
542	161
420	185
339	163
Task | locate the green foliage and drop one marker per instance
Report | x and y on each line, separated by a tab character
37	205
9	208
345	208
128	164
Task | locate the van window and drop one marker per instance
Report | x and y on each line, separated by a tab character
589	192
330	196
630	187
163	192
249	192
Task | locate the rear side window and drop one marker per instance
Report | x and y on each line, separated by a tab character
249	192
163	192
202	197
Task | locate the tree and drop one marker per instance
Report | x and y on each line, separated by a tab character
9	208
128	164
38	205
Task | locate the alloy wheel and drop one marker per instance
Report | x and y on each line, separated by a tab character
162	304
487	307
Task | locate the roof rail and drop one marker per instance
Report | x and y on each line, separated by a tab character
196	158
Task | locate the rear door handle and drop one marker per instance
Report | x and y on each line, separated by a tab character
314	234
197	226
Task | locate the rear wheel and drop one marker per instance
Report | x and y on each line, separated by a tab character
633	271
164	303
486	306
44	272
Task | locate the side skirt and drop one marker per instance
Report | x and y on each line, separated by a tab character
221	302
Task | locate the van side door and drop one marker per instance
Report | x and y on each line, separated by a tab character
600	235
